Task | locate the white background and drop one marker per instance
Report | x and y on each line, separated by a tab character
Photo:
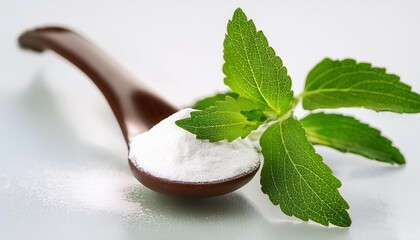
63	170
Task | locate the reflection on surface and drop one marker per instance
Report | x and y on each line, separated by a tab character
231	216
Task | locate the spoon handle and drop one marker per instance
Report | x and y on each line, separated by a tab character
136	108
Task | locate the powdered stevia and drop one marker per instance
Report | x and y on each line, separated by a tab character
168	151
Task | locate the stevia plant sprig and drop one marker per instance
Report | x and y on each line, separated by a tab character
293	174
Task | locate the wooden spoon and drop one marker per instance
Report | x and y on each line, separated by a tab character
136	108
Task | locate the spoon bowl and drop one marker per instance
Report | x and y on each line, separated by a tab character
183	189
136	107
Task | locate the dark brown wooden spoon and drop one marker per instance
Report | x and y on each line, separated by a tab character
136	108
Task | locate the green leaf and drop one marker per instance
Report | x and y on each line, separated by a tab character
228	120
347	134
211	101
295	177
335	84
252	68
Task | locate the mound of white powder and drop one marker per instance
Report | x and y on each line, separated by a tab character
170	152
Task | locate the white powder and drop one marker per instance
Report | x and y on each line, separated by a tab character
170	152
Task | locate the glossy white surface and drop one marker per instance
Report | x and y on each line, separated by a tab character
63	170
